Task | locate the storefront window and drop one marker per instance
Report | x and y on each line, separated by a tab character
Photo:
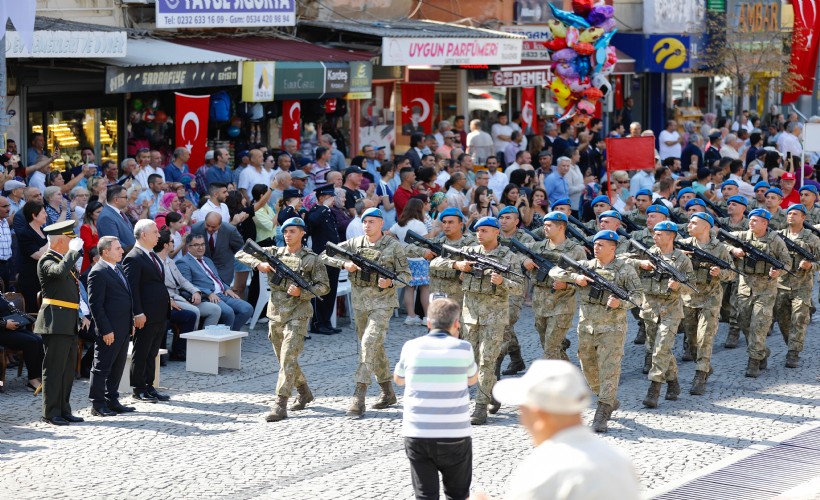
68	131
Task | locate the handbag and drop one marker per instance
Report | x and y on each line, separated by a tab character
20	319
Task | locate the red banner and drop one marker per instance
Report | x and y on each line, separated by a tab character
292	121
804	47
417	108
628	153
192	127
529	118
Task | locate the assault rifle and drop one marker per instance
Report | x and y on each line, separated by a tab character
481	262
662	267
599	283
543	264
629	223
532	234
367	267
417	239
581	226
753	255
575	233
811	228
795	248
281	270
713	206
701	255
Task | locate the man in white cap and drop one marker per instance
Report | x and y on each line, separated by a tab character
14	192
568	460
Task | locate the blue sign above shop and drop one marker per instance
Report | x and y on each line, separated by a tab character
663	53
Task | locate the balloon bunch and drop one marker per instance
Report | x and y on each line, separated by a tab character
148	120
581	57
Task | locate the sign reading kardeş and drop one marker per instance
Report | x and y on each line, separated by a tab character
224	13
450	51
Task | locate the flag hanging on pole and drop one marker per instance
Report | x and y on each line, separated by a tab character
192	126
804	47
417	108
529	118
292	121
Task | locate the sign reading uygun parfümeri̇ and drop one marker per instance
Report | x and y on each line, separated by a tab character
224	13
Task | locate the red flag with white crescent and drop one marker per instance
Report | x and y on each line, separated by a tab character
192	127
529	118
292	120
806	38
417	108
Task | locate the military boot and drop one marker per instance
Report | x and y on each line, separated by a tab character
304	397
516	363
792	359
564	346
493	407
764	363
647	363
687	349
498	367
279	411
479	416
672	390
753	368
387	398
698	383
732	339
356	408
640	338
602	414
652	395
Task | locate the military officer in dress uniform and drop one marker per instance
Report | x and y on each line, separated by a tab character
58	319
321	226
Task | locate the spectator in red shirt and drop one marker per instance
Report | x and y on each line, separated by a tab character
405	191
790	195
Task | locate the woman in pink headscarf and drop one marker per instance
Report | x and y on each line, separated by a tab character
169	203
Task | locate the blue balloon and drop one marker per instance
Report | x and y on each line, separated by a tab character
604	40
568	18
600	59
582	65
233	131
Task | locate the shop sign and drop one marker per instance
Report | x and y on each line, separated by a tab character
533	47
181	76
667	53
302	80
257	81
684	16
361	80
450	51
224	13
337	78
69	44
521	78
755	17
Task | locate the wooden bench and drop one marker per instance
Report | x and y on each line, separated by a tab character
125	381
211	349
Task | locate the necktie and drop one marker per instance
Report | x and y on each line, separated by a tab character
122	277
125	218
211	243
213	277
158	264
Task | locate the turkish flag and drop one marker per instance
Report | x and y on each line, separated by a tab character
292	121
417	108
630	153
529	118
192	127
804	47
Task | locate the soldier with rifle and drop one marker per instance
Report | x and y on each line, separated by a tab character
735	221
809	196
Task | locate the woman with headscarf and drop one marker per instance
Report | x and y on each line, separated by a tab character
189	182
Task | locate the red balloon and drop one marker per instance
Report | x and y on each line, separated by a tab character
582	7
556	44
592	94
584	48
160	117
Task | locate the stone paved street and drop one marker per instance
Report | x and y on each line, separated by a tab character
211	440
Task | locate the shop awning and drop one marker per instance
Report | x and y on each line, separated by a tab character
409	28
273	49
153	52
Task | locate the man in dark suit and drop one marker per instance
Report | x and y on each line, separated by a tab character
109	298
152	306
58	319
222	241
415	153
322	229
113	221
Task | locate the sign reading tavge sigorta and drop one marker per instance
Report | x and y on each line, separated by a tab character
224	13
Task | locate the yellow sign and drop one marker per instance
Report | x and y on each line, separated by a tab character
257	81
670	53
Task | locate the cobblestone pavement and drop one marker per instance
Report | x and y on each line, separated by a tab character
211	440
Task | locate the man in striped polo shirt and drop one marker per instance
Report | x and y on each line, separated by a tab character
437	370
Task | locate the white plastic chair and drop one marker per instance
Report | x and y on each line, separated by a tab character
264	295
343	290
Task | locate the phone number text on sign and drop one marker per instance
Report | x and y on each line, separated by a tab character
222	20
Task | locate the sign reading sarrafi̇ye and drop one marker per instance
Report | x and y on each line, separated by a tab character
450	51
224	13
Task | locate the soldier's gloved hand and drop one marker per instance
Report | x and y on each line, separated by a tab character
75	244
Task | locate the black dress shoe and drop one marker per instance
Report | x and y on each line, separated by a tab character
118	407
73	419
177	357
102	411
55	420
323	330
144	396
160	397
334	329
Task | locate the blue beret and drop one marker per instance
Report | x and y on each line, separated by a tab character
372	212
685	191
643	192
762	184
810	187
738	199
606	235
760	212
560	216
666	226
700	215
562	201
610	213
730	182
657	208
693	202
450	212
509	209
601	199
776	191
797	206
294	221
487	221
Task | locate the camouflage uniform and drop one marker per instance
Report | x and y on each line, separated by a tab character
701	311
554	309
791	308
372	305
445	279
644	236
728	307
680	214
757	293
662	311
592	224
289	315
637	217
778	220
602	331
813	215
516	301
483	317
753	203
